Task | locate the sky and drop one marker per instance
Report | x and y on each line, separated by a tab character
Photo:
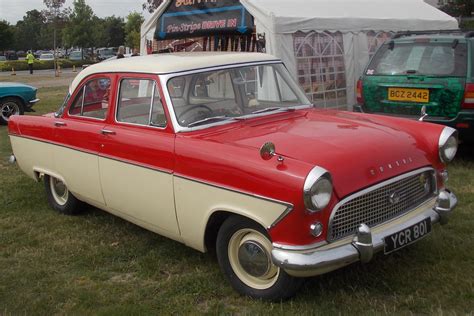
14	10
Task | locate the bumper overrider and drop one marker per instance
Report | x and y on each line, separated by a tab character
361	247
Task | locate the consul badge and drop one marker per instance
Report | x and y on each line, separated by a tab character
398	163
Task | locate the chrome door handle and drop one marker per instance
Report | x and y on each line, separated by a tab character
58	124
107	132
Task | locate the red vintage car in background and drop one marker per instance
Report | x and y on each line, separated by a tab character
224	151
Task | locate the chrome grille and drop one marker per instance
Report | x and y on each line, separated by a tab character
382	202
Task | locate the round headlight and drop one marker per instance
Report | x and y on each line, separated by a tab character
317	189
448	144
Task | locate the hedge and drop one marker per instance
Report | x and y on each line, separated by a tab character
41	64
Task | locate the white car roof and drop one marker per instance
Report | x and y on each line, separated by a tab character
170	63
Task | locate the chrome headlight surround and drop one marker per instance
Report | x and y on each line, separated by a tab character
317	191
448	144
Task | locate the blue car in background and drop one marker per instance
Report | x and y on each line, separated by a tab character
15	98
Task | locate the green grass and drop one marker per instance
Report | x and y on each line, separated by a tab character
96	263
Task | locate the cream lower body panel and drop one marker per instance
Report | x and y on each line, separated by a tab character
196	202
32	155
140	193
171	206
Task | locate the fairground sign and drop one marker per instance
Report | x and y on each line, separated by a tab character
194	18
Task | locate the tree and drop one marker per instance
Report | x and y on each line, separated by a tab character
56	17
80	28
151	5
456	8
114	28
6	35
132	29
28	30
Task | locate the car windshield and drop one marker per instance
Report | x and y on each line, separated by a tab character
420	58
236	93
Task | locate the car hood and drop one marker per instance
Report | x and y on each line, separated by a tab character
358	150
15	85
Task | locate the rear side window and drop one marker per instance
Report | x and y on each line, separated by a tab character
92	100
139	103
435	59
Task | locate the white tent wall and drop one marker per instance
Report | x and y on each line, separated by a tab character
280	20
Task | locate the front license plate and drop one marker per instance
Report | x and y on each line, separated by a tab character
407	236
409	95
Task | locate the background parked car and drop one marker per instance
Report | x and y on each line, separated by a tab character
75	55
46	56
15	99
2	58
11	55
423	69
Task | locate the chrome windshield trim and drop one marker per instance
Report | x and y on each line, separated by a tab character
375	187
164	78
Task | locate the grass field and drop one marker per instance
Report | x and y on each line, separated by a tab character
96	263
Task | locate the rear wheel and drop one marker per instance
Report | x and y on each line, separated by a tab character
59	197
9	107
244	254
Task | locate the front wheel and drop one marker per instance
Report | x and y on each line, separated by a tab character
9	107
244	255
59	197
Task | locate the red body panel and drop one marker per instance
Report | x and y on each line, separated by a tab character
358	150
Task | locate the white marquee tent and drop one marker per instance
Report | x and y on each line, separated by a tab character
326	44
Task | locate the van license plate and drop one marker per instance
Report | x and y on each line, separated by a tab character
407	236
409	95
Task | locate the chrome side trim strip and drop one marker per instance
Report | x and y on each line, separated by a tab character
96	154
375	187
289	206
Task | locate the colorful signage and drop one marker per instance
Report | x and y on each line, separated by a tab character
194	18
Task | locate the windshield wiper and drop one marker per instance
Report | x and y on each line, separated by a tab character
275	108
210	119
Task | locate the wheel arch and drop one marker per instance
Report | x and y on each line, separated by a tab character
215	221
14	96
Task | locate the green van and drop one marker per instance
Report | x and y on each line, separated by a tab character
430	72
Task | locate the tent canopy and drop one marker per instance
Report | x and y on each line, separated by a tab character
289	16
352	20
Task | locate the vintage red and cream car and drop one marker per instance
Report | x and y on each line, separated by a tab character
224	152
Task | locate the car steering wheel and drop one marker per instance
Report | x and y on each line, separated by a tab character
181	116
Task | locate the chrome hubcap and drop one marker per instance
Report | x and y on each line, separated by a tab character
59	191
8	109
254	259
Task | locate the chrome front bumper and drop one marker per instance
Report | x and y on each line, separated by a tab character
363	245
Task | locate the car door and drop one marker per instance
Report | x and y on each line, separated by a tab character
137	158
79	133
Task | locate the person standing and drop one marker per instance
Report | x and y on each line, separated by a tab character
121	52
31	59
135	52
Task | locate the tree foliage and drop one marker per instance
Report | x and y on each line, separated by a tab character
28	31
132	29
80	27
6	35
457	8
151	5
